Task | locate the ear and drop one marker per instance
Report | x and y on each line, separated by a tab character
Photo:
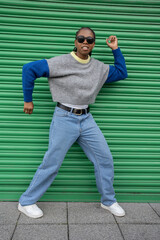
75	42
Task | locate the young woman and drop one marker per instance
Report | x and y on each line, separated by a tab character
75	80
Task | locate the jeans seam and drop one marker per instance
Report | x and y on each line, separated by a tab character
96	162
49	144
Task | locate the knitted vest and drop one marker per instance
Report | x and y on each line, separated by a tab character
76	81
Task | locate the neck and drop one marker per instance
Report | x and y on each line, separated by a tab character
84	57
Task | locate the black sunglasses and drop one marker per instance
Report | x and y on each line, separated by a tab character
81	39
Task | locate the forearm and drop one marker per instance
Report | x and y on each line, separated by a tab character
119	70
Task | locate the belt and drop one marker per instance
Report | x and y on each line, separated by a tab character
73	110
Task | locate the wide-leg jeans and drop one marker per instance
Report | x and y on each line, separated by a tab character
67	128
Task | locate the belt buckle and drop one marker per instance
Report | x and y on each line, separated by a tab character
78	114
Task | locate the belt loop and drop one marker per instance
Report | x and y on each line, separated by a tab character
71	110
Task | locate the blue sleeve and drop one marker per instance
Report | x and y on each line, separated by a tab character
119	70
30	72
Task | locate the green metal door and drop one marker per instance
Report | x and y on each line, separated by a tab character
128	111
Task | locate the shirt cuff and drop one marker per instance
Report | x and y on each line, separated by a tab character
27	93
116	52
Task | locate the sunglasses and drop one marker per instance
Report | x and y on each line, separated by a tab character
81	39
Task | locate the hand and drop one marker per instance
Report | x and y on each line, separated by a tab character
28	107
112	42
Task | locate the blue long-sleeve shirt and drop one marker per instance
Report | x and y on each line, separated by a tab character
40	68
119	70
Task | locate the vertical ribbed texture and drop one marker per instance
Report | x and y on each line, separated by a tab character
128	112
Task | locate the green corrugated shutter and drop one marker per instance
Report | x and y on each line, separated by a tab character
128	112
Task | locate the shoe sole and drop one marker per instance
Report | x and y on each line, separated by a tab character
27	214
106	208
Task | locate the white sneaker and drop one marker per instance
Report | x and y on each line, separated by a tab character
32	211
115	209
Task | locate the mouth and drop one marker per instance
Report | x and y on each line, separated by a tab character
85	48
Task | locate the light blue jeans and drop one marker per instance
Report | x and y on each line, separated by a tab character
65	129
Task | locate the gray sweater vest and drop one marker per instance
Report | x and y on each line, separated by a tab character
74	82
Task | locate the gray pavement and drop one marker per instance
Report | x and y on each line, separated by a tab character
80	221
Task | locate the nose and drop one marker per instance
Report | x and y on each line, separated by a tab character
85	41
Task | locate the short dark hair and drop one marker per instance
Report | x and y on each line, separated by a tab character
94	35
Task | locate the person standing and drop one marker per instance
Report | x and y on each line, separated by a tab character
75	79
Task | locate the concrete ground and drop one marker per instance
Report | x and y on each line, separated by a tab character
80	221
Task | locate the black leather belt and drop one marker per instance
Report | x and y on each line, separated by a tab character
74	110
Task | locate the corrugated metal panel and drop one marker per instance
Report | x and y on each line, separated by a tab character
128	112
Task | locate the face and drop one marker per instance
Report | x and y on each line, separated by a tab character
84	48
